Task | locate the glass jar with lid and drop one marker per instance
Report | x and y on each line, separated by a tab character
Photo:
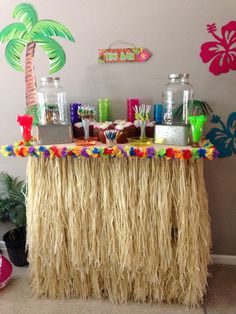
177	98
52	106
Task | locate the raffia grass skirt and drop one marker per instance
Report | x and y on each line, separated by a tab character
126	229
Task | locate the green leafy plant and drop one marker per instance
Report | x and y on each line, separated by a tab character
12	200
197	108
25	36
200	107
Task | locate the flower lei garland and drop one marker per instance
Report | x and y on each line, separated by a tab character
18	150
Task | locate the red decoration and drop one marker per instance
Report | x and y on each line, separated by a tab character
123	55
187	154
138	152
222	51
5	271
108	151
170	152
55	151
26	123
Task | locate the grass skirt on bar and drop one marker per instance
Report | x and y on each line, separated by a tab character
127	229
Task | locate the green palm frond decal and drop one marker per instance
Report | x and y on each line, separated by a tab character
13	53
54	51
13	31
49	28
20	36
27	14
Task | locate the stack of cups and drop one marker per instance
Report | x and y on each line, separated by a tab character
158	113
103	109
74	117
131	103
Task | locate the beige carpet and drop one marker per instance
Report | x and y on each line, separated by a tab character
16	299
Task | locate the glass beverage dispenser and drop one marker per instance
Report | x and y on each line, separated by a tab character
52	106
177	98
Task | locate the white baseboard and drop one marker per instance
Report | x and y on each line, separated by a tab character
224	259
2	246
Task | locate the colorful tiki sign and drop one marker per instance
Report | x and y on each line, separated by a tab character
123	55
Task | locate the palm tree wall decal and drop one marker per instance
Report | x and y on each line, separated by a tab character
25	36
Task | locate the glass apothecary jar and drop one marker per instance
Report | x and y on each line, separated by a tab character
52	106
177	98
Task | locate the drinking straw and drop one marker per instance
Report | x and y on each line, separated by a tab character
86	112
112	135
142	112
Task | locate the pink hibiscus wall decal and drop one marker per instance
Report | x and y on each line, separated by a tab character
221	52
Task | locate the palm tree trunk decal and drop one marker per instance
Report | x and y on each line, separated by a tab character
26	35
30	81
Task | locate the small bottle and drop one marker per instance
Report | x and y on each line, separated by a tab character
177	97
52	106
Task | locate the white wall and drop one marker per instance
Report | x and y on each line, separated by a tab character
173	31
